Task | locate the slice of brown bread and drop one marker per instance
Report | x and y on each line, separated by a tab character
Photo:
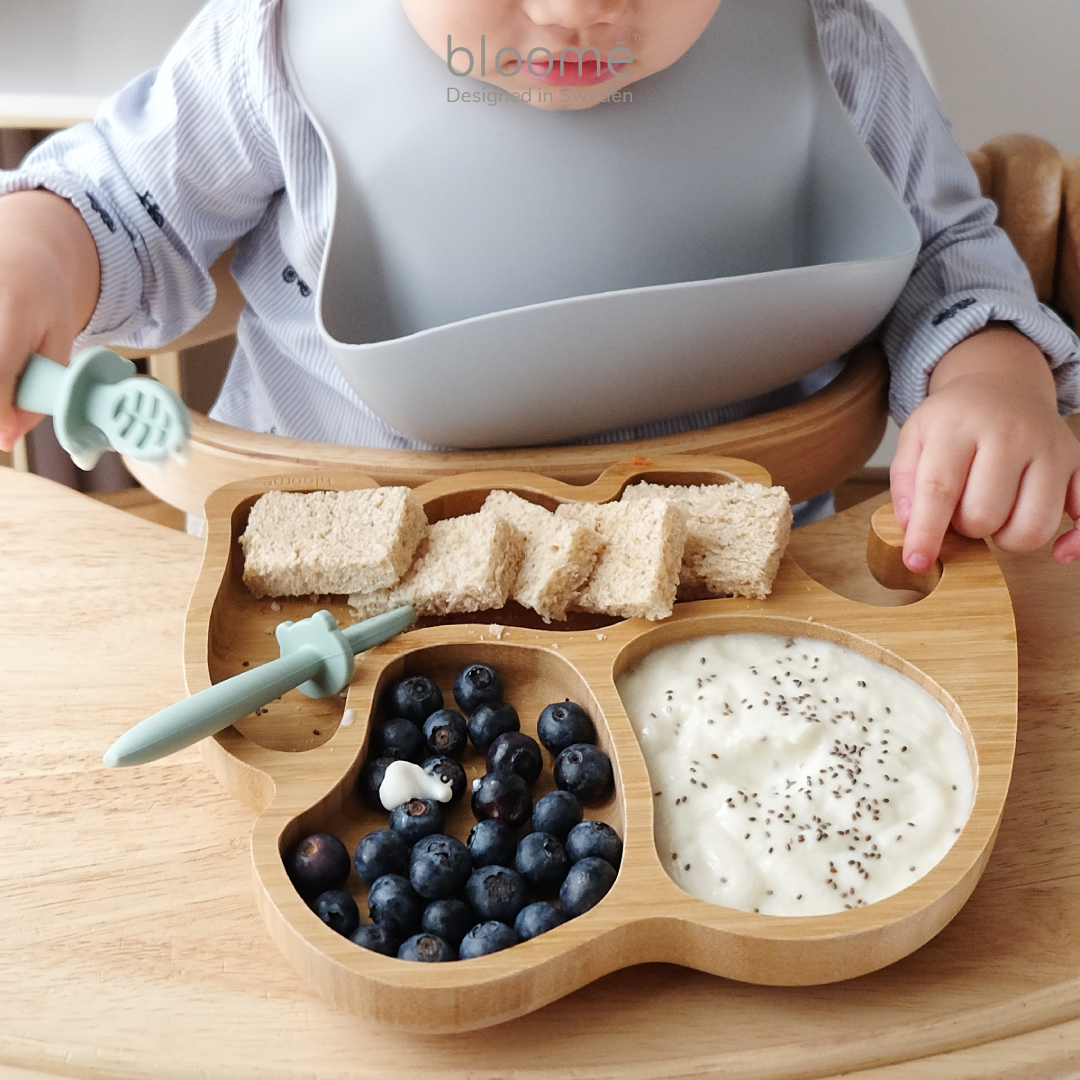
736	536
466	563
637	573
559	554
298	543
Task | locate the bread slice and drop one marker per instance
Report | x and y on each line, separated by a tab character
466	563
298	543
637	573
559	554
736	536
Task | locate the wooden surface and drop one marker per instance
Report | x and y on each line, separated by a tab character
1026	183
808	447
132	945
305	766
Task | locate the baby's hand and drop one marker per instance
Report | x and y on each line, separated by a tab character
987	452
49	280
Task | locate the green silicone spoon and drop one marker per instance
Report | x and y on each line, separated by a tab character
316	657
98	403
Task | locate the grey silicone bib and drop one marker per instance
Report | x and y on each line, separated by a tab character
502	275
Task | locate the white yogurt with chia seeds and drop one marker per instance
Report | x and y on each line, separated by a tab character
792	776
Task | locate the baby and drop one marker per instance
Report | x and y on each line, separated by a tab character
106	233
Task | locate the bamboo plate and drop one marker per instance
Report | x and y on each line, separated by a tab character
296	763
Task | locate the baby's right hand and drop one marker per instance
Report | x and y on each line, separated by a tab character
49	283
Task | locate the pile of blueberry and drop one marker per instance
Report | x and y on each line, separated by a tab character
432	897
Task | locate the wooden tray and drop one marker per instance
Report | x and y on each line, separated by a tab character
297	765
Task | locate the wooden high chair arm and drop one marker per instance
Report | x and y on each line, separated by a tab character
1024	175
808	447
1067	289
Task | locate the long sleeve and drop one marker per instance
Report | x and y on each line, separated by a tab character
968	273
176	167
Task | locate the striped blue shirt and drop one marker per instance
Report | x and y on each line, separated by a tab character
214	149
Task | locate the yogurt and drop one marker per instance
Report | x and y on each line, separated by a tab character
404	780
792	776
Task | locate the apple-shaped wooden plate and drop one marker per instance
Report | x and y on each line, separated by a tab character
297	763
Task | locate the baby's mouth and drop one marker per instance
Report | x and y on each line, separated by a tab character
568	70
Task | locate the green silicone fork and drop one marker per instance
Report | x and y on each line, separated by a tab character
97	403
316	658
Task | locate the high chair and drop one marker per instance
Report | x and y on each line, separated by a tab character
809	447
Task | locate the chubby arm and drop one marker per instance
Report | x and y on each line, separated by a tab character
49	284
987	452
980	369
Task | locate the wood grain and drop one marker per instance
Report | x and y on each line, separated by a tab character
1027	184
132	946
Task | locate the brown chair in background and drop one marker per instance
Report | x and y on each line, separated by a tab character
808	447
1038	196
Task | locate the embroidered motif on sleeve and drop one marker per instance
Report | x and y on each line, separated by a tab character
104	214
948	313
152	209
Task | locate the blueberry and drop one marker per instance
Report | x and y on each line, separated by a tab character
492	843
376	938
427	948
588	882
487	937
564	723
381	852
537	918
438	866
496	892
399	738
518	752
316	865
416	818
446	732
502	795
490	720
476	685
449	772
415	698
585	771
557	813
449	919
594	839
393	903
370	780
542	861
338	910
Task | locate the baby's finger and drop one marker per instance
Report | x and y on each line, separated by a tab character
1067	546
939	485
991	492
902	472
14	356
12	361
1036	515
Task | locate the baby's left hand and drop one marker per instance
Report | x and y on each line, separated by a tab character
987	452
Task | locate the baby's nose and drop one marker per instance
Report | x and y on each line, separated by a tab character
574	14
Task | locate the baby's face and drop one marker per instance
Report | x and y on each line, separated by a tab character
518	44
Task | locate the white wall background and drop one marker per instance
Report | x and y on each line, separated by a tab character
1004	65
